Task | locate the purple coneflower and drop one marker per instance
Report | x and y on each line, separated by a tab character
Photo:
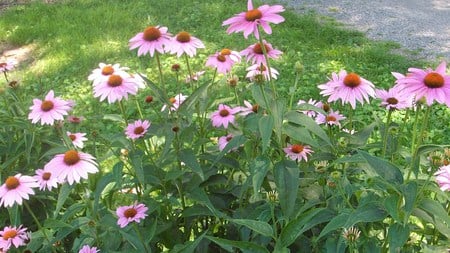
443	177
298	152
10	236
153	38
137	129
77	139
224	60
15	189
261	73
183	42
349	88
88	249
255	53
248	21
333	118
46	180
132	213
116	87
49	110
224	116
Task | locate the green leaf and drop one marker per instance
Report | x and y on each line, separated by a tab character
244	246
158	93
397	237
64	193
53	223
306	121
368	212
136	161
258	171
286	175
300	134
360	138
258	226
188	157
391	204
410	193
336	223
298	226
189	246
190	101
201	197
383	168
133	239
265	129
102	183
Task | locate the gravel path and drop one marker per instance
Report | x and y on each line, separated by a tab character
419	25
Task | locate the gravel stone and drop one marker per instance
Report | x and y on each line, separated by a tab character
422	26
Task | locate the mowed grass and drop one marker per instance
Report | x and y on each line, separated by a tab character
73	37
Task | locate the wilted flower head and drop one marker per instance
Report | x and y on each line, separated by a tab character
15	189
13	236
249	21
248	108
349	88
152	39
49	110
351	234
132	213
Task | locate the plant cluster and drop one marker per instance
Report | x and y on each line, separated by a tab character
218	162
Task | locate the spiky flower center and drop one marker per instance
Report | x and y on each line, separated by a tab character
152	33
3	64
255	108
229	138
107	70
434	80
72	137
115	81
225	51
47	105
257	48
297	148
330	118
253	15
221	58
12	183
139	130
392	101
261	68
183	37
9	234
172	100
46	176
71	157
130	213
352	80
224	112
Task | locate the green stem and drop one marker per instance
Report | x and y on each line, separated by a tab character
141	239
385	134
266	57
161	79
189	72
420	137
6	76
38	224
293	92
124	115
